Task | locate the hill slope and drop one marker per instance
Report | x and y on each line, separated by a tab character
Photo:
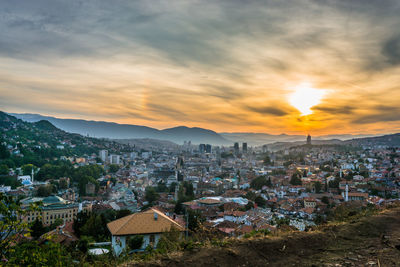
371	241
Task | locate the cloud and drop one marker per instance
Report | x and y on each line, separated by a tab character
227	66
391	50
268	110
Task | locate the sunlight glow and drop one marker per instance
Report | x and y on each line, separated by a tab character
304	97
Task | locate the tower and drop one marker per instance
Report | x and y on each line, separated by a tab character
309	140
244	148
32	175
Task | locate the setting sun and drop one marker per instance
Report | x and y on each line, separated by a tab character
304	97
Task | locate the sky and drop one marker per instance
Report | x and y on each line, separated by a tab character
295	67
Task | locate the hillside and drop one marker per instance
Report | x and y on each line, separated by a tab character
126	131
370	241
34	142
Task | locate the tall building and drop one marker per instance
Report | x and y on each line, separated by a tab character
244	147
208	148
202	148
236	148
115	159
103	155
309	140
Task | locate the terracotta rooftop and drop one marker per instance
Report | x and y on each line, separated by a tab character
146	222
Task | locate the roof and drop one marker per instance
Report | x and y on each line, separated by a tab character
143	223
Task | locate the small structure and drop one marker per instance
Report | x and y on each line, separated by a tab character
150	224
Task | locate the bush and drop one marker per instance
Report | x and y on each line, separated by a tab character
135	242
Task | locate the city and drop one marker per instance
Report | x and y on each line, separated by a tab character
236	191
200	133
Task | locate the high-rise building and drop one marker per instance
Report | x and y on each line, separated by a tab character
115	159
236	148
103	155
208	148
244	147
202	148
309	140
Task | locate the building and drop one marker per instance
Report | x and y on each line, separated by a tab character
202	148
103	155
150	224
53	208
90	188
236	148
115	159
208	148
309	140
244	148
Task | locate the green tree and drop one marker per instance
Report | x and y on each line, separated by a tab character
150	194
259	182
4	170
317	186
4	153
37	229
11	224
295	180
27	169
113	168
45	190
260	201
122	213
135	242
63	183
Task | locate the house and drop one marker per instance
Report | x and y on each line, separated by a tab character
150	224
310	202
235	216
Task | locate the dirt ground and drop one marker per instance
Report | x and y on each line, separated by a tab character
372	241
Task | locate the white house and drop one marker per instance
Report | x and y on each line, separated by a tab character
150	224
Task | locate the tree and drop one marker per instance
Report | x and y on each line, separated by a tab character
325	200
45	190
267	160
260	201
295	180
27	169
150	194
37	229
259	182
317	186
122	213
4	154
135	242
63	183
11	224
4	170
113	168
250	195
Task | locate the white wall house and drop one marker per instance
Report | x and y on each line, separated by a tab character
150	224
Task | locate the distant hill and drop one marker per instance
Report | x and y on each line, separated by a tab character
257	139
39	140
112	130
391	140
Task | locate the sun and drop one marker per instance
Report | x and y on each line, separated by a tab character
304	97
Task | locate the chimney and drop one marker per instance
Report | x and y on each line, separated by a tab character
155	216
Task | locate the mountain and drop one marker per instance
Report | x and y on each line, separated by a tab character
257	139
126	131
392	140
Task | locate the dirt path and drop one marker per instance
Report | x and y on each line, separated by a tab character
373	241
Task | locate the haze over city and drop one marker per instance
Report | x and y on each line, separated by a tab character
295	67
